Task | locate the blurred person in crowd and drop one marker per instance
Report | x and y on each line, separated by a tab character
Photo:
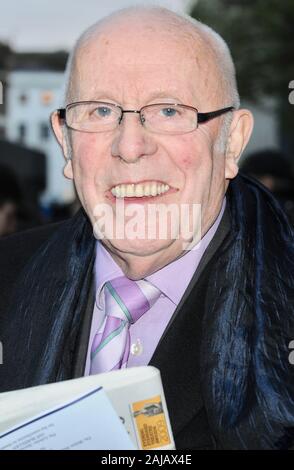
152	119
274	171
16	212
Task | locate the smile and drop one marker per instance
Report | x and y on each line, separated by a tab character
150	188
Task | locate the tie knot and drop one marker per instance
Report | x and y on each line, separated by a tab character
128	299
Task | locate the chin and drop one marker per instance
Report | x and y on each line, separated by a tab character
139	248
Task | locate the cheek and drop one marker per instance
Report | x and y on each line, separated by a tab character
90	161
86	149
187	162
89	155
191	155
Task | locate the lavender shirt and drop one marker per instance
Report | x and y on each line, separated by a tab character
147	331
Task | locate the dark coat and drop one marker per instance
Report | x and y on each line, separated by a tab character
223	358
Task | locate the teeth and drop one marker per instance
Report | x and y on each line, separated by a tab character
130	190
138	190
123	190
153	189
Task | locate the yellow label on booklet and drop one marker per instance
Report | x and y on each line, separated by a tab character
152	430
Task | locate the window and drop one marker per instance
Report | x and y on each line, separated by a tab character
47	97
23	98
44	131
22	130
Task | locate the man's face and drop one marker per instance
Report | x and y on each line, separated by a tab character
134	69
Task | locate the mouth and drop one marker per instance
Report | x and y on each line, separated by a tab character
141	191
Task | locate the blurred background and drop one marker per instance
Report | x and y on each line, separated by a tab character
35	37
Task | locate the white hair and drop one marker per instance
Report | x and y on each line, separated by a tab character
224	61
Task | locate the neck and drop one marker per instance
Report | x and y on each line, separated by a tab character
136	266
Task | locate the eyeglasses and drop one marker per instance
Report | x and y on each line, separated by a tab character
162	118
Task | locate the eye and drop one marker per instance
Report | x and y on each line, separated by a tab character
103	111
168	112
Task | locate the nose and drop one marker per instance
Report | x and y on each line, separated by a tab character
131	140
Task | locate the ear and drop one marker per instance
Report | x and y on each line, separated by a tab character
240	132
59	131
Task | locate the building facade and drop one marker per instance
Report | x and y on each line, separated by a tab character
31	96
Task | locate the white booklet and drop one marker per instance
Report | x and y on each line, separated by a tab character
123	409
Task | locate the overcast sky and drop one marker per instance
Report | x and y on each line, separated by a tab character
56	24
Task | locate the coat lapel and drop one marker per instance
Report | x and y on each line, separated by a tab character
177	358
79	361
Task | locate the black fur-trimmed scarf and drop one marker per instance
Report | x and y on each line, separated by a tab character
247	379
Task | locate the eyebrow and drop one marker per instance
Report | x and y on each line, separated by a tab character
169	94
99	93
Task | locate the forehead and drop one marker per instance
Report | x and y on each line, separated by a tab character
126	63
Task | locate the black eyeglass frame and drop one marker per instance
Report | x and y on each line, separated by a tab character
201	117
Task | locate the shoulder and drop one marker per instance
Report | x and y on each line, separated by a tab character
16	250
19	247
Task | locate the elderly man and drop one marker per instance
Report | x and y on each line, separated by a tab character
152	120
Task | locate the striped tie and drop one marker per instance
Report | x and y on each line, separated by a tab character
125	302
